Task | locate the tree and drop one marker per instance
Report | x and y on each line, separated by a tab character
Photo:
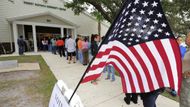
177	11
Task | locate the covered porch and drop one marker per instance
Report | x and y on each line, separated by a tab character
41	25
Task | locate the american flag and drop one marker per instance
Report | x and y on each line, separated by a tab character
141	47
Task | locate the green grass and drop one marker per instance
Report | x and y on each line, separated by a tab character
166	94
44	84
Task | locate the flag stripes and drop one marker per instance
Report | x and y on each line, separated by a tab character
144	67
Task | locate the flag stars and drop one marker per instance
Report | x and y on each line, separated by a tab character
147	20
126	34
139	18
129	24
144	26
163	25
136	2
136	24
145	4
122	26
124	20
126	13
167	34
137	40
131	39
149	32
156	35
129	43
132	34
131	17
152	27
150	12
127	29
139	36
155	21
146	37
129	5
119	36
142	12
159	15
133	10
154	4
120	31
141	31
124	39
134	30
160	30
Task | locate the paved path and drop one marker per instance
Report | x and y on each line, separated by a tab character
105	94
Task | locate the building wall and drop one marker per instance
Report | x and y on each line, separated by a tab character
12	8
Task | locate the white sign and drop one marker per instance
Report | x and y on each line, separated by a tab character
57	98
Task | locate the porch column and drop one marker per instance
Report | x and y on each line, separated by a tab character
15	35
75	33
34	38
62	32
23	32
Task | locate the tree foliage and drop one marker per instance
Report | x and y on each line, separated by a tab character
177	11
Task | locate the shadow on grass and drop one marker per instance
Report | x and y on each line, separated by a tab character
44	84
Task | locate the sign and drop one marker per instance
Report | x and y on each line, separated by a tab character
57	98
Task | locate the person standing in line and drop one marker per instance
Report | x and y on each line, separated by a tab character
76	41
53	43
60	44
94	50
85	51
185	87
111	72
71	48
21	44
79	43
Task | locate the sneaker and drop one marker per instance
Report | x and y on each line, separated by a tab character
107	78
112	80
127	100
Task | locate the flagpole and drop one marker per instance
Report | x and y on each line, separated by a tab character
96	53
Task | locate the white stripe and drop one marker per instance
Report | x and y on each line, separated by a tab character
132	72
94	72
126	78
171	57
159	62
148	65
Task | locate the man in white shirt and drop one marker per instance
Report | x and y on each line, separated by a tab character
71	48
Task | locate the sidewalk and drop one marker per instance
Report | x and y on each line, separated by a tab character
105	94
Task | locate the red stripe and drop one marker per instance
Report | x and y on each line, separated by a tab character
144	67
102	53
165	59
126	70
154	64
100	65
177	54
90	78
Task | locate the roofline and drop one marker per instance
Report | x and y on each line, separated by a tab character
10	19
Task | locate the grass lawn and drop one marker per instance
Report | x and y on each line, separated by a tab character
42	85
166	94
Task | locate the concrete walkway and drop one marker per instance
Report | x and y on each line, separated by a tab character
105	94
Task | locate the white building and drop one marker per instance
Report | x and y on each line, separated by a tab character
36	19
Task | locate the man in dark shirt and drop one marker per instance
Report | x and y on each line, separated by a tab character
20	43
